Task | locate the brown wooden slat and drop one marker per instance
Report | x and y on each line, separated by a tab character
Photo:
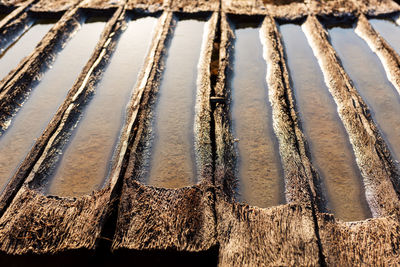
44	224
20	81
151	218
370	242
388	56
252	236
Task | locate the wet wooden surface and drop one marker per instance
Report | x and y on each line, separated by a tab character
127	215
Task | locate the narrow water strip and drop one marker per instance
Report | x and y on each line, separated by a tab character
86	161
389	30
369	77
34	115
328	142
258	164
9	36
172	163
23	46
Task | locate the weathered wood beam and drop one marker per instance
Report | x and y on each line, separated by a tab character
15	24
372	155
350	243
15	86
42	224
252	236
151	218
301	180
20	81
388	56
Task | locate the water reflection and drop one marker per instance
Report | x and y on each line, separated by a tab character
86	161
173	161
23	46
327	139
258	164
369	77
33	117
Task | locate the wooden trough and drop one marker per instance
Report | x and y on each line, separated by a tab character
127	218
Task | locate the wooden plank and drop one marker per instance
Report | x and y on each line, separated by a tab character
46	224
20	81
388	56
373	241
14	24
182	219
252	236
372	155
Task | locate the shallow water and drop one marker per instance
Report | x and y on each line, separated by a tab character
86	160
33	117
328	142
258	165
369	77
15	35
172	154
389	30
23	46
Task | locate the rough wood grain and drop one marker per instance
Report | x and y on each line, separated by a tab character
372	155
177	219
373	242
14	24
57	224
388	56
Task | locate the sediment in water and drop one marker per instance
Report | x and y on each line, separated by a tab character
258	164
377	170
327	139
43	101
376	167
86	161
237	223
184	217
372	85
79	220
173	160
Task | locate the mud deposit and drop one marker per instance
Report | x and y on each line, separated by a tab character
389	30
369	77
258	164
23	46
86	161
34	115
173	160
327	139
